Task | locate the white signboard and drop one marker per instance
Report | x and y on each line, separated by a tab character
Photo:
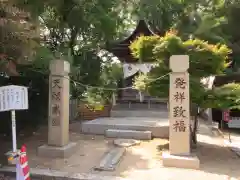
13	98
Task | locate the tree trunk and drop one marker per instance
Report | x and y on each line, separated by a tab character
194	125
194	135
195	114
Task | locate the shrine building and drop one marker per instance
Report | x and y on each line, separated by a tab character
131	66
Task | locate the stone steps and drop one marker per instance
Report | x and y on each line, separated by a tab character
140	106
139	113
132	96
159	127
128	134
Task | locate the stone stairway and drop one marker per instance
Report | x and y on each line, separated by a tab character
132	119
131	109
129	105
141	128
138	113
137	109
132	95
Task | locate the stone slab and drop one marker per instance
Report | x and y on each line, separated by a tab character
126	142
111	159
57	152
118	133
158	126
187	162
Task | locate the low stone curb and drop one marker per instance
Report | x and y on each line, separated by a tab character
9	173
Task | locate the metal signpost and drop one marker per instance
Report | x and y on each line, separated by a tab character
13	98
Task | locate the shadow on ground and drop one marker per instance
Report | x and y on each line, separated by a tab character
214	159
218	159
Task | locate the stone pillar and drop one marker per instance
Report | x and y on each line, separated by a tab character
179	116
58	122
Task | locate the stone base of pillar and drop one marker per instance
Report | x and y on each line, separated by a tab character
57	152
188	162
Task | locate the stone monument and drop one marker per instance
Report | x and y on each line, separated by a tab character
179	154
58	122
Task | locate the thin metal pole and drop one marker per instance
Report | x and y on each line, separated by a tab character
229	136
222	120
14	138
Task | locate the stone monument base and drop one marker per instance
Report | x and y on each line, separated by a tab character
56	151
188	162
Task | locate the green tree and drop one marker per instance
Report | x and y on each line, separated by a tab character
213	21
18	37
78	24
205	60
79	30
